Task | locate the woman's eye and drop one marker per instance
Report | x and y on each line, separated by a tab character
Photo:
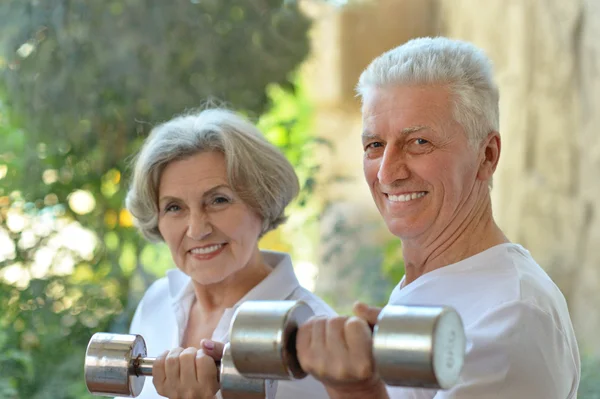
220	200
172	208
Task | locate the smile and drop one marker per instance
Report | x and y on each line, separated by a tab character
406	197
206	250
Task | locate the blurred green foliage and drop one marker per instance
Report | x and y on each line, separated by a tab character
589	387
81	85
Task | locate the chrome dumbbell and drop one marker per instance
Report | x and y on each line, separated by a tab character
116	365
416	346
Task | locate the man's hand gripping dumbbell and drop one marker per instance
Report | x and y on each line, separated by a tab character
417	346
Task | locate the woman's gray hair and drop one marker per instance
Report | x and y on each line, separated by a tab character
464	68
257	171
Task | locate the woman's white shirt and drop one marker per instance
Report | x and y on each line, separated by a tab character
162	314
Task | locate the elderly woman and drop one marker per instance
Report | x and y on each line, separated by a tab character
209	185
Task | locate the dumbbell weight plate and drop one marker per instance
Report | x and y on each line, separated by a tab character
236	386
107	364
263	338
419	346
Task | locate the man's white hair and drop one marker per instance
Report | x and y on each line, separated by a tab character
461	66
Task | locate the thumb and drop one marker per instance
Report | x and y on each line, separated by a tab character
366	312
213	349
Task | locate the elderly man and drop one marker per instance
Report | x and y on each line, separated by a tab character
431	145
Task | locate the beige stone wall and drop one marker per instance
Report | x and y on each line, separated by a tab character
547	188
547	63
585	290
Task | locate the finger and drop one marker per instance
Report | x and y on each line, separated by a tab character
360	343
366	312
307	340
172	367
303	343
187	364
212	348
336	362
334	335
158	369
318	338
207	373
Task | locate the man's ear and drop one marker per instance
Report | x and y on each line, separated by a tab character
490	149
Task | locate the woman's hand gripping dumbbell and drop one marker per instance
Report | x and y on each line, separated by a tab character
116	365
417	346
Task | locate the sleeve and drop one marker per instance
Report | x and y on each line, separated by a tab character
516	351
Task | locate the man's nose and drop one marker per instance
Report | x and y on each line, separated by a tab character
393	166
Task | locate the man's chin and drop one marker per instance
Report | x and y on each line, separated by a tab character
403	229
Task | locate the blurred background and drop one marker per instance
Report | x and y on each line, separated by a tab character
82	83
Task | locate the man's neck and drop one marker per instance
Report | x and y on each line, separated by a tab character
477	233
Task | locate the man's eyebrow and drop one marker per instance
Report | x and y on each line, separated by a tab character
366	135
412	129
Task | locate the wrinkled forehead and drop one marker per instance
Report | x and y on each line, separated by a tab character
402	107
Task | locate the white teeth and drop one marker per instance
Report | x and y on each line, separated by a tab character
206	250
406	197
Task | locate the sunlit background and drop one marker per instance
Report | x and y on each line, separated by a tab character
82	83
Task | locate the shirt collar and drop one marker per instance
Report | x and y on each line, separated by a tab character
278	285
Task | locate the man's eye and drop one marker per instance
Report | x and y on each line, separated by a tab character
421	141
375	144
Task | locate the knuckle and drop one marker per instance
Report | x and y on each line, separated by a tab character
319	321
188	354
364	370
172	360
307	361
355	323
189	394
336	323
322	366
338	372
205	365
189	350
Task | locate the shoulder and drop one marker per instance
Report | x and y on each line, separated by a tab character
518	347
526	336
537	295
153	305
156	294
518	319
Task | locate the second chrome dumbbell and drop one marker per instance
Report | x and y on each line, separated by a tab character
416	346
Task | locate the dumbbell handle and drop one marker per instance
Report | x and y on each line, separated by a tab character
145	365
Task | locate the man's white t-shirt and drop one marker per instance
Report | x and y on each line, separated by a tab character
162	315
520	339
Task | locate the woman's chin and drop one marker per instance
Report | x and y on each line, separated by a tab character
206	277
